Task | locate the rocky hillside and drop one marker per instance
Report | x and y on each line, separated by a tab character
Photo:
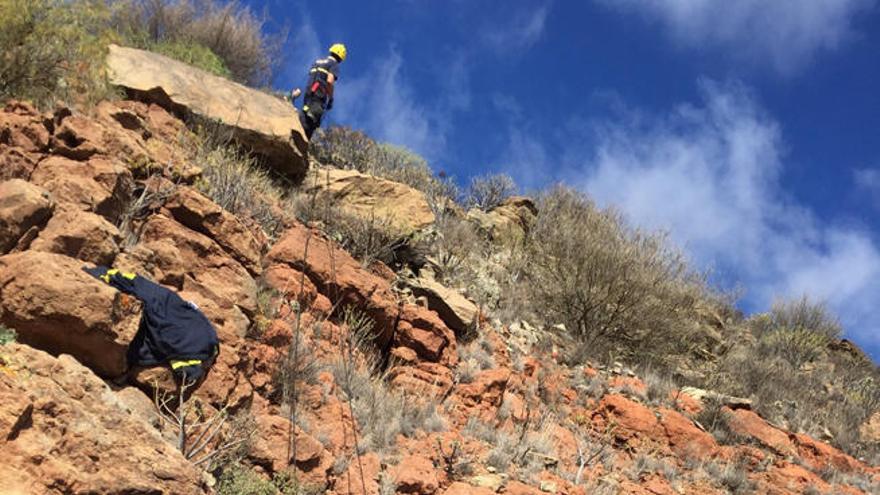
335	375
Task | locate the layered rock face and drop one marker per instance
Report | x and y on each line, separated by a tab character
62	430
263	123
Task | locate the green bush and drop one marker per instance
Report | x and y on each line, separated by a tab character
54	50
7	335
192	53
228	30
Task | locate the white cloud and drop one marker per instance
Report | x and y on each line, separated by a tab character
383	104
709	175
522	31
303	48
783	33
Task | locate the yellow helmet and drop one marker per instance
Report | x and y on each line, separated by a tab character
339	50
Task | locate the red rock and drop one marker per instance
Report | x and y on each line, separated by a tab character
57	307
291	283
686	403
352	483
629	416
16	163
21	126
459	488
624	383
206	268
82	235
270	448
64	431
749	424
821	455
98	185
23	206
685	438
78	138
424	379
488	387
345	282
202	215
416	474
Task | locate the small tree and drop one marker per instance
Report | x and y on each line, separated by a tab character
488	191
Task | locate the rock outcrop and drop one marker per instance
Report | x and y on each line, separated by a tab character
62	430
458	312
372	198
261	122
509	221
57	307
23	207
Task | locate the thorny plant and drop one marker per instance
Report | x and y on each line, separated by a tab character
202	438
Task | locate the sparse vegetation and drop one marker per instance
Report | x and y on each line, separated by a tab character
614	288
237	183
488	191
225	38
346	148
54	50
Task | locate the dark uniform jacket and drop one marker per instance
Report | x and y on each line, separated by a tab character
171	330
319	90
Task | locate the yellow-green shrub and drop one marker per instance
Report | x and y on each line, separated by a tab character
192	53
54	50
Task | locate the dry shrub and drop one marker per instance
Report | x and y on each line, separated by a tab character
54	50
798	331
229	30
796	378
488	191
366	239
613	287
346	148
238	183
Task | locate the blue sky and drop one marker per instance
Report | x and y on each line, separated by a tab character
749	129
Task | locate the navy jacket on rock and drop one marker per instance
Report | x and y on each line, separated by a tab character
171	331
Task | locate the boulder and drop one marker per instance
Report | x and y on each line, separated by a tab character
261	122
702	396
64	431
509	221
97	185
369	197
23	206
457	311
630	417
57	307
22	127
416	474
192	262
201	214
750	425
82	235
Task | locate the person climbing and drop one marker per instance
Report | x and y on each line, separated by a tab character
318	96
172	331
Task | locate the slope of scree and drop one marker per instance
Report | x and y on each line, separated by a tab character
384	396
